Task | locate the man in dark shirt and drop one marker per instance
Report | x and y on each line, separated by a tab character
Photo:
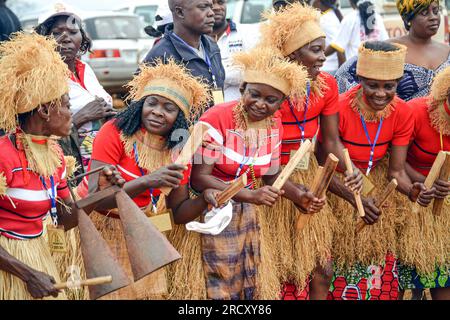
9	22
188	44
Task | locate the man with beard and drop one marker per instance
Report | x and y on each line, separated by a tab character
231	39
186	43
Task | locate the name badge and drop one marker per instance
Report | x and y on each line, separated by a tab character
218	97
368	186
163	221
304	162
56	239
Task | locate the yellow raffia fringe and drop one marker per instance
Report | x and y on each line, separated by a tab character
32	73
153	286
186	276
371	245
35	254
71	165
3	185
273	69
358	104
424	239
296	254
152	155
287	24
43	159
195	90
440	119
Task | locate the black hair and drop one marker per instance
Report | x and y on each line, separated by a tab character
367	14
129	122
45	28
380	46
333	4
23	117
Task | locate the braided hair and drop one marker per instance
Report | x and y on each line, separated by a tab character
367	14
129	122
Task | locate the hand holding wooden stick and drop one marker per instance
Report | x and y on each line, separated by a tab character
320	185
432	175
231	191
380	200
445	175
193	143
349	167
292	164
83	283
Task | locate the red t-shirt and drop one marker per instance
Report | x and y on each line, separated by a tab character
326	105
426	140
109	148
24	219
226	146
396	130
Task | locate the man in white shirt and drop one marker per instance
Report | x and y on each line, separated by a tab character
230	40
352	31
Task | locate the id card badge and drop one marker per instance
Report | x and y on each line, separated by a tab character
163	221
304	162
56	239
218	96
368	186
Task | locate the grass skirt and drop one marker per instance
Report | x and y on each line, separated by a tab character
370	246
34	253
153	286
185	276
294	255
70	261
424	247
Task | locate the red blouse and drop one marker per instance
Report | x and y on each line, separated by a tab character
426	140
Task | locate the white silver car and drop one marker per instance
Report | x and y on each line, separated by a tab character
119	45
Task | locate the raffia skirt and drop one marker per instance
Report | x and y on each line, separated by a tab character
290	256
153	286
35	254
424	247
365	263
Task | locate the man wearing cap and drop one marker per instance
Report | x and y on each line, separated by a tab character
186	43
163	19
230	40
9	22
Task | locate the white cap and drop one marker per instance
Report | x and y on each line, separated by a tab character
164	12
59	9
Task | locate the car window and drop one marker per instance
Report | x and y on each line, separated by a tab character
109	28
344	4
147	12
231	6
251	12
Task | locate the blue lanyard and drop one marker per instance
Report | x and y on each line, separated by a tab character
152	199
52	196
372	146
301	126
207	59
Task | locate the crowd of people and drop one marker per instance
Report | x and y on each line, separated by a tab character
307	75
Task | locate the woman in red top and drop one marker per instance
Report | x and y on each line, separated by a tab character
244	138
140	142
424	240
296	31
371	120
33	185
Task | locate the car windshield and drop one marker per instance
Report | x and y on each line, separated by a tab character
147	13
114	27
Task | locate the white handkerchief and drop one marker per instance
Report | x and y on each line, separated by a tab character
215	221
